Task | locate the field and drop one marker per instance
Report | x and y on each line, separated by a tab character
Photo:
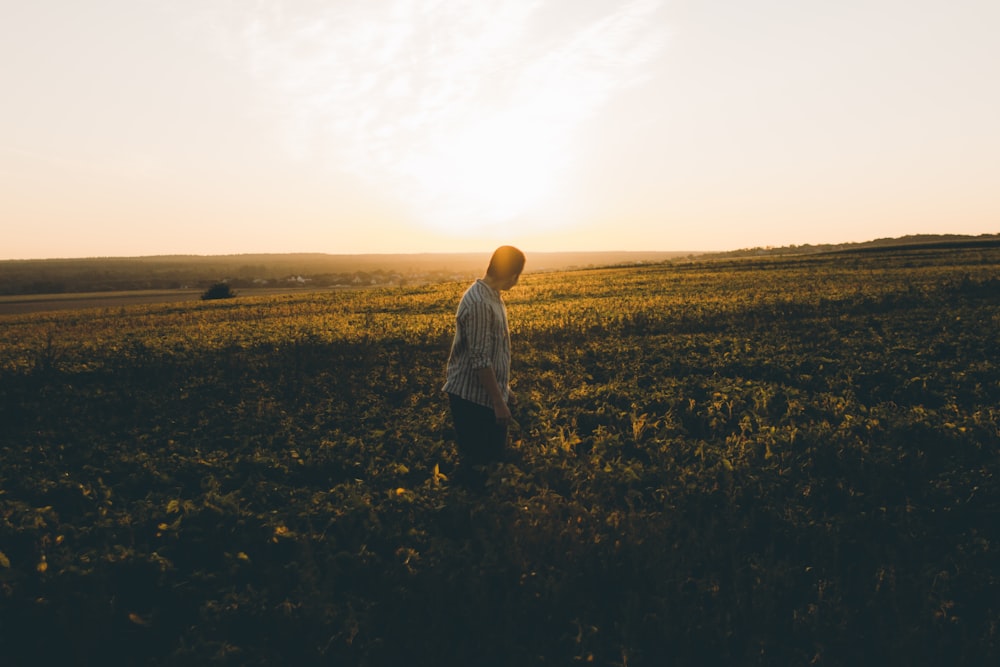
22	304
753	462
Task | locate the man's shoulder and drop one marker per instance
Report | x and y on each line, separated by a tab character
479	297
478	291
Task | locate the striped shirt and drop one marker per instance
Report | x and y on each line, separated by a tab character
482	340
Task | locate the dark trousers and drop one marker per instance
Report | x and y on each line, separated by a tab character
480	439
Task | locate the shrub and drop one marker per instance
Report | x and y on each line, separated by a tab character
218	291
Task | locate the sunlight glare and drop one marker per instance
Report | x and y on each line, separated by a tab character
488	172
468	116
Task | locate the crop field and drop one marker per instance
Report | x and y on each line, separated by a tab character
21	304
753	462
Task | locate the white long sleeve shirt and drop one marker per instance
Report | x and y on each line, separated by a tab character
482	340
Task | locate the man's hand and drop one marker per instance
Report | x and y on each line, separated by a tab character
502	413
500	409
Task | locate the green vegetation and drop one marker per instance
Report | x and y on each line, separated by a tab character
113	274
908	243
753	462
218	291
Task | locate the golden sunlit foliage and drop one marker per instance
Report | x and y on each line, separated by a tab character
769	461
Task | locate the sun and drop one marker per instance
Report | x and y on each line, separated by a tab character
490	171
469	119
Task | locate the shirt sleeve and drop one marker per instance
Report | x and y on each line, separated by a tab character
477	326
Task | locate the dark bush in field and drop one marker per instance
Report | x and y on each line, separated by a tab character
218	291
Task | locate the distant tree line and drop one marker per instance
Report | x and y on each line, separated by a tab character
68	276
117	274
911	242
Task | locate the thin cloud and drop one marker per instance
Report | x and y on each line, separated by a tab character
399	91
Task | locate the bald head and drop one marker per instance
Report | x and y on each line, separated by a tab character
507	262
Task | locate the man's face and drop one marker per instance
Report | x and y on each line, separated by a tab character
510	282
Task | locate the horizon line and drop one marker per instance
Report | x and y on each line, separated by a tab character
906	237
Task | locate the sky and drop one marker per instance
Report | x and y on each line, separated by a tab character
155	127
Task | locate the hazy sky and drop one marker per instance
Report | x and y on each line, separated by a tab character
146	127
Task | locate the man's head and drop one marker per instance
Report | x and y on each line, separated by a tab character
505	266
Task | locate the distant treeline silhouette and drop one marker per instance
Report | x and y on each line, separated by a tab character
169	272
903	243
112	274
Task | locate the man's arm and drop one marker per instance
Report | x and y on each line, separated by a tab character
489	381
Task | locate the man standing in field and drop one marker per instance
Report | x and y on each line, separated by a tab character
478	379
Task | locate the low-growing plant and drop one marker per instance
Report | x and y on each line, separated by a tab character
218	291
790	462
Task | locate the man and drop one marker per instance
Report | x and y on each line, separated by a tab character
478	374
